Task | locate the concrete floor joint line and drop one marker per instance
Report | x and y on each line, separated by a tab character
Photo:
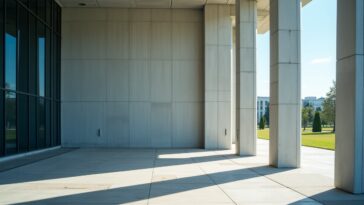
216	184
151	180
267	177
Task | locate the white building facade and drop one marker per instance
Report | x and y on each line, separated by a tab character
316	103
262	107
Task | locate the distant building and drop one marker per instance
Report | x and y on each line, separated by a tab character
315	102
262	105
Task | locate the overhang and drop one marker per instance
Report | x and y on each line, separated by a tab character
262	5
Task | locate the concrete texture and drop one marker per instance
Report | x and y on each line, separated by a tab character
246	96
349	166
132	77
262	6
285	83
218	45
173	176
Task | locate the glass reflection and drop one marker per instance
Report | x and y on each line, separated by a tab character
10	45
10	122
41	64
10	61
29	75
41	123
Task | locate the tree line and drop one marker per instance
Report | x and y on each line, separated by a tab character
319	118
315	118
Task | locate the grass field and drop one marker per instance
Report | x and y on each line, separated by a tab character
324	140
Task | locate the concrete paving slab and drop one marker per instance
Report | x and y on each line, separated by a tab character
173	176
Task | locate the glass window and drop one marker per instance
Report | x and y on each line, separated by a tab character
30	71
23	37
33	73
41	59
10	123
33	5
57	18
48	122
58	113
53	123
54	15
22	131
10	45
48	63
25	2
1	42
49	12
54	65
1	78
58	69
41	123
41	9
32	122
2	131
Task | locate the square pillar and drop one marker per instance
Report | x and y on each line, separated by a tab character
218	34
285	84
349	155
246	97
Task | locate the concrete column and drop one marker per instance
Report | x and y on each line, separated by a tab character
218	32
349	156
285	83
246	110
233	83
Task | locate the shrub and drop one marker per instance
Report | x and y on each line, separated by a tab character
262	123
316	127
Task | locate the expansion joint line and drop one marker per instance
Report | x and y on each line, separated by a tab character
208	175
267	177
151	180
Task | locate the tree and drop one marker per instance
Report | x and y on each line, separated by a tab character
323	121
329	106
309	114
262	123
316	127
305	118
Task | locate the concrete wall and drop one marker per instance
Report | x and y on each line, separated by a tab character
135	74
218	45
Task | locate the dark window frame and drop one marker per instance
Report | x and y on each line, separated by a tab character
8	150
27	104
2	72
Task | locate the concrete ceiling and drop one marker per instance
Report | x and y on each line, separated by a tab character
144	3
262	5
263	14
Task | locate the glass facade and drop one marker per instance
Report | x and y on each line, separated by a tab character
29	75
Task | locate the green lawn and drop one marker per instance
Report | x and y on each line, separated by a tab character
325	139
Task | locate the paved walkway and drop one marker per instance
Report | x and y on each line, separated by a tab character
173	177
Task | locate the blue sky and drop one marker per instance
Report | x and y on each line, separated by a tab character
318	50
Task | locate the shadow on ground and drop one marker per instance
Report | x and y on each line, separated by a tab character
335	197
66	176
139	192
